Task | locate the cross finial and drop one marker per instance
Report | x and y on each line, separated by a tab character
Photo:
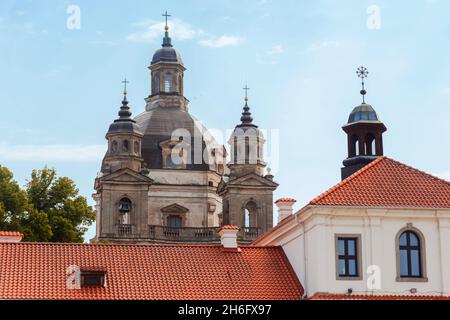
362	73
125	82
166	15
246	88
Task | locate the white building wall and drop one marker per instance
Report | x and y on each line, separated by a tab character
309	243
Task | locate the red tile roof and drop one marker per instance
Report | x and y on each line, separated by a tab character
286	200
192	272
10	234
388	183
382	183
230	228
375	297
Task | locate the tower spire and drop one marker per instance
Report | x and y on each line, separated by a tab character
362	73
125	112
246	118
167	41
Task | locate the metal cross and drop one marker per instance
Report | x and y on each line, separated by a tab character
246	88
125	81
362	73
166	15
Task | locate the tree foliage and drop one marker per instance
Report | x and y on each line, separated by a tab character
49	209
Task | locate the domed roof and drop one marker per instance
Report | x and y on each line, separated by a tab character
247	127
160	124
124	127
363	112
124	124
167	55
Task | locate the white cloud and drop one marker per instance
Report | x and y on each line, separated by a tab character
152	31
278	49
444	175
52	153
220	42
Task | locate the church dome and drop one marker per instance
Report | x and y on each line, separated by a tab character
165	123
124	124
363	112
167	55
124	127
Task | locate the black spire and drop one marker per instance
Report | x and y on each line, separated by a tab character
124	113
167	41
246	119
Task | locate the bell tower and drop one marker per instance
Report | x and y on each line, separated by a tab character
123	183
247	192
364	134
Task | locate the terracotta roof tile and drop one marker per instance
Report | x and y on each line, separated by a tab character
157	272
230	228
388	183
10	234
375	297
382	183
286	200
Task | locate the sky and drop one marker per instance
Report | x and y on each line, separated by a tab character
62	63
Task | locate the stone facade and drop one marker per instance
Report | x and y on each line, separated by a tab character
164	178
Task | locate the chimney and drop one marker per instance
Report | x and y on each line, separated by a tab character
285	208
228	237
10	237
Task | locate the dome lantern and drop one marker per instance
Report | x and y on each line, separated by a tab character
167	76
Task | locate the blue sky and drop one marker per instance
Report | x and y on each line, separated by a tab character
61	88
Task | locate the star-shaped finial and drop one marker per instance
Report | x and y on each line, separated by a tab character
362	73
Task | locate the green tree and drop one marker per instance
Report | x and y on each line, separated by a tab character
17	213
49	209
68	213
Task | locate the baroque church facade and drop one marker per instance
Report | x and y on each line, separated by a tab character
164	178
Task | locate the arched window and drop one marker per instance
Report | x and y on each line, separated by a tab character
114	146
409	246
155	84
251	224
410	255
168	82
370	144
136	147
250	215
124	211
125	146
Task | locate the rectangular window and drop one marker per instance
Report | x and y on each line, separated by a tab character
90	279
347	257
